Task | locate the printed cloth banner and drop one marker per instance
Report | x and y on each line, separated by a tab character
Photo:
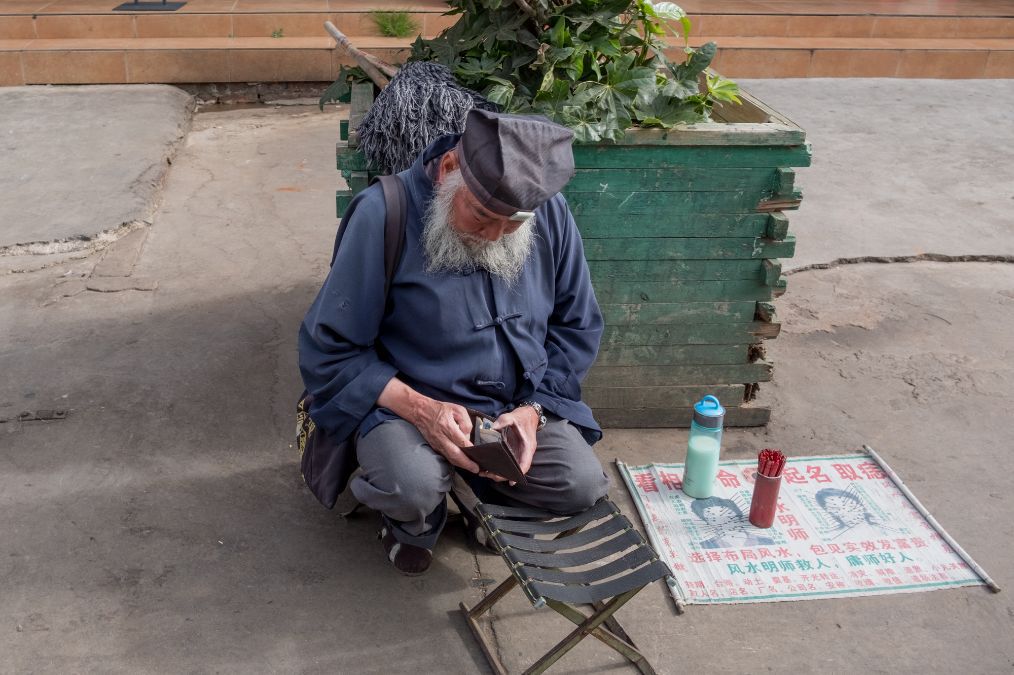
843	528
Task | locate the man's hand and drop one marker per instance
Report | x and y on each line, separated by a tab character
446	426
524	422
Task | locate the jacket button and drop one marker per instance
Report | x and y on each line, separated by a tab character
499	321
527	375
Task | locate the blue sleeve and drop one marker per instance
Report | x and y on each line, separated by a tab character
575	326
337	355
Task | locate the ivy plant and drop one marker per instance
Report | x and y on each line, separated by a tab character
596	66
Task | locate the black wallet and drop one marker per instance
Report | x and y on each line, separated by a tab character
494	451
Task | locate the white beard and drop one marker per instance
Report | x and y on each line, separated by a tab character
447	250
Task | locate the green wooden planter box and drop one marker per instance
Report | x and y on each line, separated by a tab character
682	231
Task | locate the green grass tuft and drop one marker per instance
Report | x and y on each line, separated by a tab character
395	24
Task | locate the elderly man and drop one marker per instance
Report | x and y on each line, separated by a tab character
490	308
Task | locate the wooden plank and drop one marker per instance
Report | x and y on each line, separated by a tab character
676	312
668	418
675	270
689	248
680	179
650	355
716	133
349	159
772	271
617	291
342	200
780	287
667	224
649	204
660	397
778	226
359	181
779	202
785	181
361	100
648	376
765	312
660	156
615	337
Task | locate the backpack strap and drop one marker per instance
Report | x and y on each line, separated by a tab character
396	203
396	206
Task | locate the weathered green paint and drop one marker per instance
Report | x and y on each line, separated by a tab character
766	312
669	417
676	312
778	226
690	248
786	179
675	270
675	179
667	224
342	200
614	337
649	204
715	133
660	397
616	291
663	157
651	376
649	355
772	271
350	159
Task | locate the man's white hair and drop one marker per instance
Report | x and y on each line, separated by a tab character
448	250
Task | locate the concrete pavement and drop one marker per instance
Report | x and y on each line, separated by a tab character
163	527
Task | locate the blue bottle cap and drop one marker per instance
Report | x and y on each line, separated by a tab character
709	413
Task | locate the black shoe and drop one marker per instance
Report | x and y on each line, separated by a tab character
408	559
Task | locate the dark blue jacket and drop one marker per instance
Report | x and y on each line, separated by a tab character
462	338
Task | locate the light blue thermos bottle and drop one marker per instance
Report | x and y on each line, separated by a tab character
703	448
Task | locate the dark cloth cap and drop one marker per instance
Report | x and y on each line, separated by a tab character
514	163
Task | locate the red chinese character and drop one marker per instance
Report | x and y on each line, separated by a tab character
672	481
846	471
918	543
731	555
765	553
871	470
728	479
798	534
818	549
788	520
713	556
834	548
747	554
784	552
815	473
646	482
696	557
886	545
748	472
793	475
869	546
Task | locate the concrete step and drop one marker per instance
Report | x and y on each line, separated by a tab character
182	60
354	22
710	23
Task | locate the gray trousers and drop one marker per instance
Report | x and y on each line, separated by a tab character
407	481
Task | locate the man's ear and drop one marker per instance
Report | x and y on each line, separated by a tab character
448	163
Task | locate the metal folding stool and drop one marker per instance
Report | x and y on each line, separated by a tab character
540	567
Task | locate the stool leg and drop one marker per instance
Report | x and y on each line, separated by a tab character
578	634
617	639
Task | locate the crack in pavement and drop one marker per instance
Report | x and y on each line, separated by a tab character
922	257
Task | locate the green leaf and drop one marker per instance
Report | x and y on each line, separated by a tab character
666	10
558	36
666	111
500	93
723	89
699	60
